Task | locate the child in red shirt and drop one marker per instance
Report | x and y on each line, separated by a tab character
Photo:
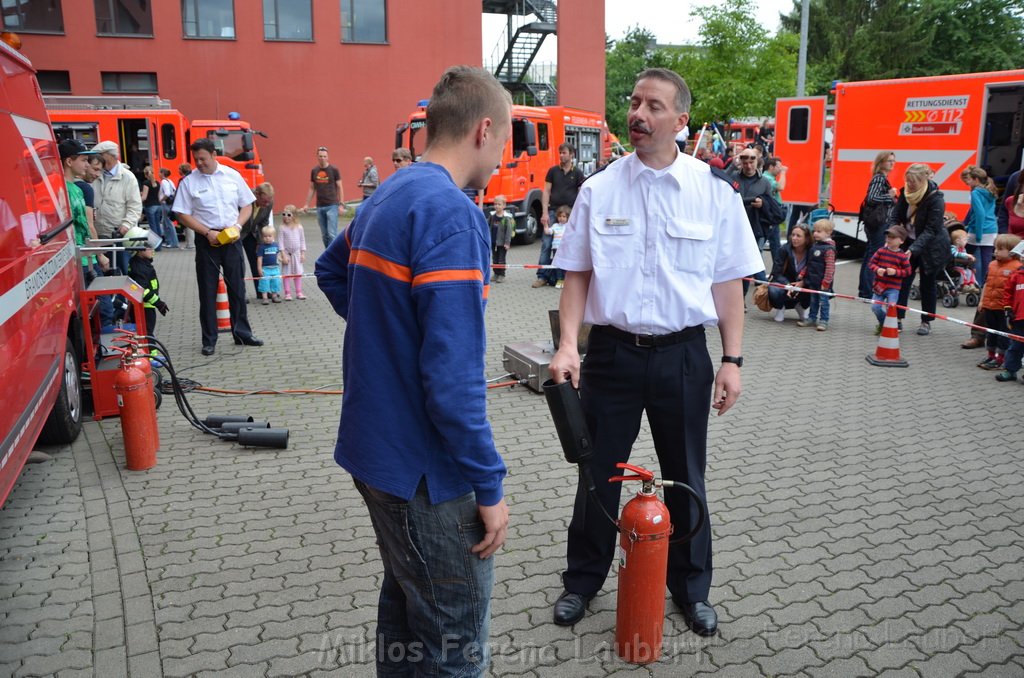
1015	291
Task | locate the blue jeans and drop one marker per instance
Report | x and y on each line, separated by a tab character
327	217
170	234
546	239
888	296
155	217
433	616
875	242
1015	351
983	257
819	307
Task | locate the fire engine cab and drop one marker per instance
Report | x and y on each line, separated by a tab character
947	122
150	132
40	279
533	150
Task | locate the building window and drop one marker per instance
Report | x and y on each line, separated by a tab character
364	21
208	19
288	20
32	16
124	17
54	82
129	83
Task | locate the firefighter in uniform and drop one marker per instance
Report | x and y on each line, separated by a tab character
654	251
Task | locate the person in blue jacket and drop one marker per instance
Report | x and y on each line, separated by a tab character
980	222
410	277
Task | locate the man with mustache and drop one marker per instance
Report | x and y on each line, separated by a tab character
654	252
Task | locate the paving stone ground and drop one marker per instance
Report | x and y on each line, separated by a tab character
867	521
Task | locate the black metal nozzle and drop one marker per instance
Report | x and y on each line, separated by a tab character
235	426
263	437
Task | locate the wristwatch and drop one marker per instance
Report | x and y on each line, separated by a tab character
737	360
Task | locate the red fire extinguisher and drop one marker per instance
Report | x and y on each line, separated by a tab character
137	404
644	530
141	360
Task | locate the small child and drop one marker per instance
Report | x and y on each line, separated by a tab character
1015	311
964	262
142	271
503	227
891	265
267	267
995	297
818	274
557	231
292	241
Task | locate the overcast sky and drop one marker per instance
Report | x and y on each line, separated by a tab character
669	20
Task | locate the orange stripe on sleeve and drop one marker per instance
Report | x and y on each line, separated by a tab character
381	265
448	275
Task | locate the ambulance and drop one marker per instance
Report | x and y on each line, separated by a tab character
947	122
40	279
537	133
149	131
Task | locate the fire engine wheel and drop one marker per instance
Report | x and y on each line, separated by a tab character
65	420
950	301
915	292
531	227
971	299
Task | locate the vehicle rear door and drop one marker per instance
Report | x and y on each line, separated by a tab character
800	142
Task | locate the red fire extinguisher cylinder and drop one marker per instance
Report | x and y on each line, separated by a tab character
644	531
137	405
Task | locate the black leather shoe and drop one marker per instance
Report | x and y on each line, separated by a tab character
700	617
248	341
570	608
208	350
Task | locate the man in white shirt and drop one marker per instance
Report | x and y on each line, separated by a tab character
654	252
214	197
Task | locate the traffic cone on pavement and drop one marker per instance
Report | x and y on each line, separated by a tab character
888	352
223	309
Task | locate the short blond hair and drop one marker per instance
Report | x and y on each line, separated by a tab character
500	198
1006	241
957	233
825	225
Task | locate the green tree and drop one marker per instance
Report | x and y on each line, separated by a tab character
877	39
738	69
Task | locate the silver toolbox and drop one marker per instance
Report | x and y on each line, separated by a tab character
529	360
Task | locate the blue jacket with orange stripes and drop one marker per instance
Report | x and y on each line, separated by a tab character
410	276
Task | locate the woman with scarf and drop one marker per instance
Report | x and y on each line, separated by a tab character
920	209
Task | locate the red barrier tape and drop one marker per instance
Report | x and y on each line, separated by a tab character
849	297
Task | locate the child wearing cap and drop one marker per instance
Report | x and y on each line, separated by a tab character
1015	316
891	265
995	298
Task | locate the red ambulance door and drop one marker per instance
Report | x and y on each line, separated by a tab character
800	142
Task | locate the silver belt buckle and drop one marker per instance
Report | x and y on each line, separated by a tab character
644	340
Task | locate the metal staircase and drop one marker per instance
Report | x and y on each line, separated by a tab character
537	19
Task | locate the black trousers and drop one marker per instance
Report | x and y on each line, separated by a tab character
210	261
926	284
249	244
618	383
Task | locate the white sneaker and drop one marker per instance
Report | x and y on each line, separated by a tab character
780	315
802	312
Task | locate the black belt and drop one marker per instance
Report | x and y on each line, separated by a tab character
650	340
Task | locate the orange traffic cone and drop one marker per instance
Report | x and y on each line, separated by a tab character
223	309
888	352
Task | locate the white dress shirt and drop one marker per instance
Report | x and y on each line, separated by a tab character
214	200
655	242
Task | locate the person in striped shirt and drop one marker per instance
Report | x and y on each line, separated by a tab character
890	265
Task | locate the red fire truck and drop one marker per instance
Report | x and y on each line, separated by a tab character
946	122
533	149
40	279
150	132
